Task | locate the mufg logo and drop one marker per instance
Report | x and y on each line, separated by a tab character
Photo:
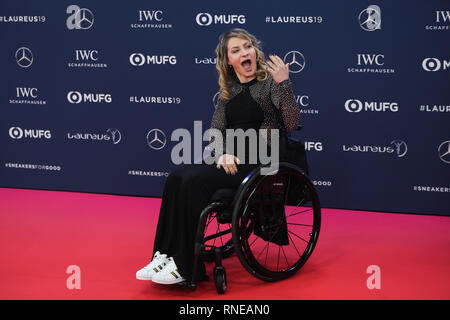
435	64
19	133
139	59
80	18
78	97
355	105
205	19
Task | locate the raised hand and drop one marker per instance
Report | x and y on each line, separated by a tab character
277	68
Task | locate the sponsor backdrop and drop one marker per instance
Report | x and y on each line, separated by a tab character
91	92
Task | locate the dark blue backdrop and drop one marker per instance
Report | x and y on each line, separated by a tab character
85	83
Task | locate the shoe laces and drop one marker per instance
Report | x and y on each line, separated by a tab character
158	258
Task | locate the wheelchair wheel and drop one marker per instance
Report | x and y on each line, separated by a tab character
220	279
276	222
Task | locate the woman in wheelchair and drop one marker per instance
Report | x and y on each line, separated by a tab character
254	94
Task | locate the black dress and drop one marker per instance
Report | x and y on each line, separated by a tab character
188	188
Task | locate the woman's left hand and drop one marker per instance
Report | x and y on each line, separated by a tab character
277	68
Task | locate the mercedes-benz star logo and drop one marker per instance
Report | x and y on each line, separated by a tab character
24	57
296	61
156	139
444	151
216	100
370	18
84	18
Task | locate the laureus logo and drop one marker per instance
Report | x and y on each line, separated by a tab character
401	147
396	147
115	134
112	135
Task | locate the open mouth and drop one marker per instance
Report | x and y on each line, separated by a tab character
247	65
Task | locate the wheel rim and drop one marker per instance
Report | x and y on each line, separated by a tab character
277	245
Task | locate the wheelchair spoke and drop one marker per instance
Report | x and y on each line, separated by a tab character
294	245
264	249
210	219
298	236
267	253
299	224
298	205
261	252
285	257
278	259
256	238
296	213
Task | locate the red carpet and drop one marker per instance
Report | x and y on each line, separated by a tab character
42	233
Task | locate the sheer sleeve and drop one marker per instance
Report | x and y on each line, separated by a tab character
218	123
284	100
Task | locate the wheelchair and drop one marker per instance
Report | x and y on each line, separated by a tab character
270	221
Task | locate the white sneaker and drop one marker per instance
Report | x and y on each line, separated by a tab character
155	266
169	274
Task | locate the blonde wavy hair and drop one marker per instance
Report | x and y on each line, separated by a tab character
227	75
